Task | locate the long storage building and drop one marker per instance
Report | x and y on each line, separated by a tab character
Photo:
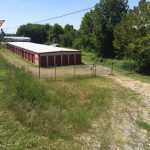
45	55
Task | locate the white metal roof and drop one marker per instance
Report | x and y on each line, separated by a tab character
17	37
40	48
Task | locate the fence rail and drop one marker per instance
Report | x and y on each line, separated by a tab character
67	71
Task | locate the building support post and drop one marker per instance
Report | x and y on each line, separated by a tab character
61	60
47	61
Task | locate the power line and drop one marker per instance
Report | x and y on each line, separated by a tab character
64	15
58	17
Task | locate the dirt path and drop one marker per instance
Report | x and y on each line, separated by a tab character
126	129
124	120
135	85
123	131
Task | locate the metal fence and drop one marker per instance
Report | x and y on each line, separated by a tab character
56	72
64	72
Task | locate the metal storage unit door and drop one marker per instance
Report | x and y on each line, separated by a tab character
64	60
50	60
58	60
71	60
43	61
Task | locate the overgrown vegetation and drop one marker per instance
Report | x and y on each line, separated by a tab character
124	66
143	125
132	36
52	109
40	113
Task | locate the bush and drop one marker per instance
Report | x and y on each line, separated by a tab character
140	51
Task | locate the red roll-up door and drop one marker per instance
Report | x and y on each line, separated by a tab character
33	58
58	60
71	60
43	61
50	60
78	59
64	60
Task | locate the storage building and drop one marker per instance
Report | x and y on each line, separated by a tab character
45	55
16	39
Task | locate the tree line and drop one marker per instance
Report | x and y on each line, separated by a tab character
49	34
111	30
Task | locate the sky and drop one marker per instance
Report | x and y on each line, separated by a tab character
18	12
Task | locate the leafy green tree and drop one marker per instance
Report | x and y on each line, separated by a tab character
125	33
134	25
140	52
108	13
56	33
69	36
87	37
37	32
132	36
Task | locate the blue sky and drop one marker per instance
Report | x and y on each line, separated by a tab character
17	12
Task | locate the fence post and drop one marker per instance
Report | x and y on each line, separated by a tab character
95	70
55	72
112	68
74	71
91	68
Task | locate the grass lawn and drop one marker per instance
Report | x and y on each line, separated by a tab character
49	115
120	66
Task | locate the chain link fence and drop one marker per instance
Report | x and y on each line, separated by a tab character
56	72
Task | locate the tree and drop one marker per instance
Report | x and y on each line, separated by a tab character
87	37
56	33
108	13
38	33
134	25
70	34
140	50
125	33
132	36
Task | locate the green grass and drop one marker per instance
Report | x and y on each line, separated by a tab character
143	125
48	115
89	57
124	67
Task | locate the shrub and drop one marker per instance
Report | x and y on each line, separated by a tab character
140	51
